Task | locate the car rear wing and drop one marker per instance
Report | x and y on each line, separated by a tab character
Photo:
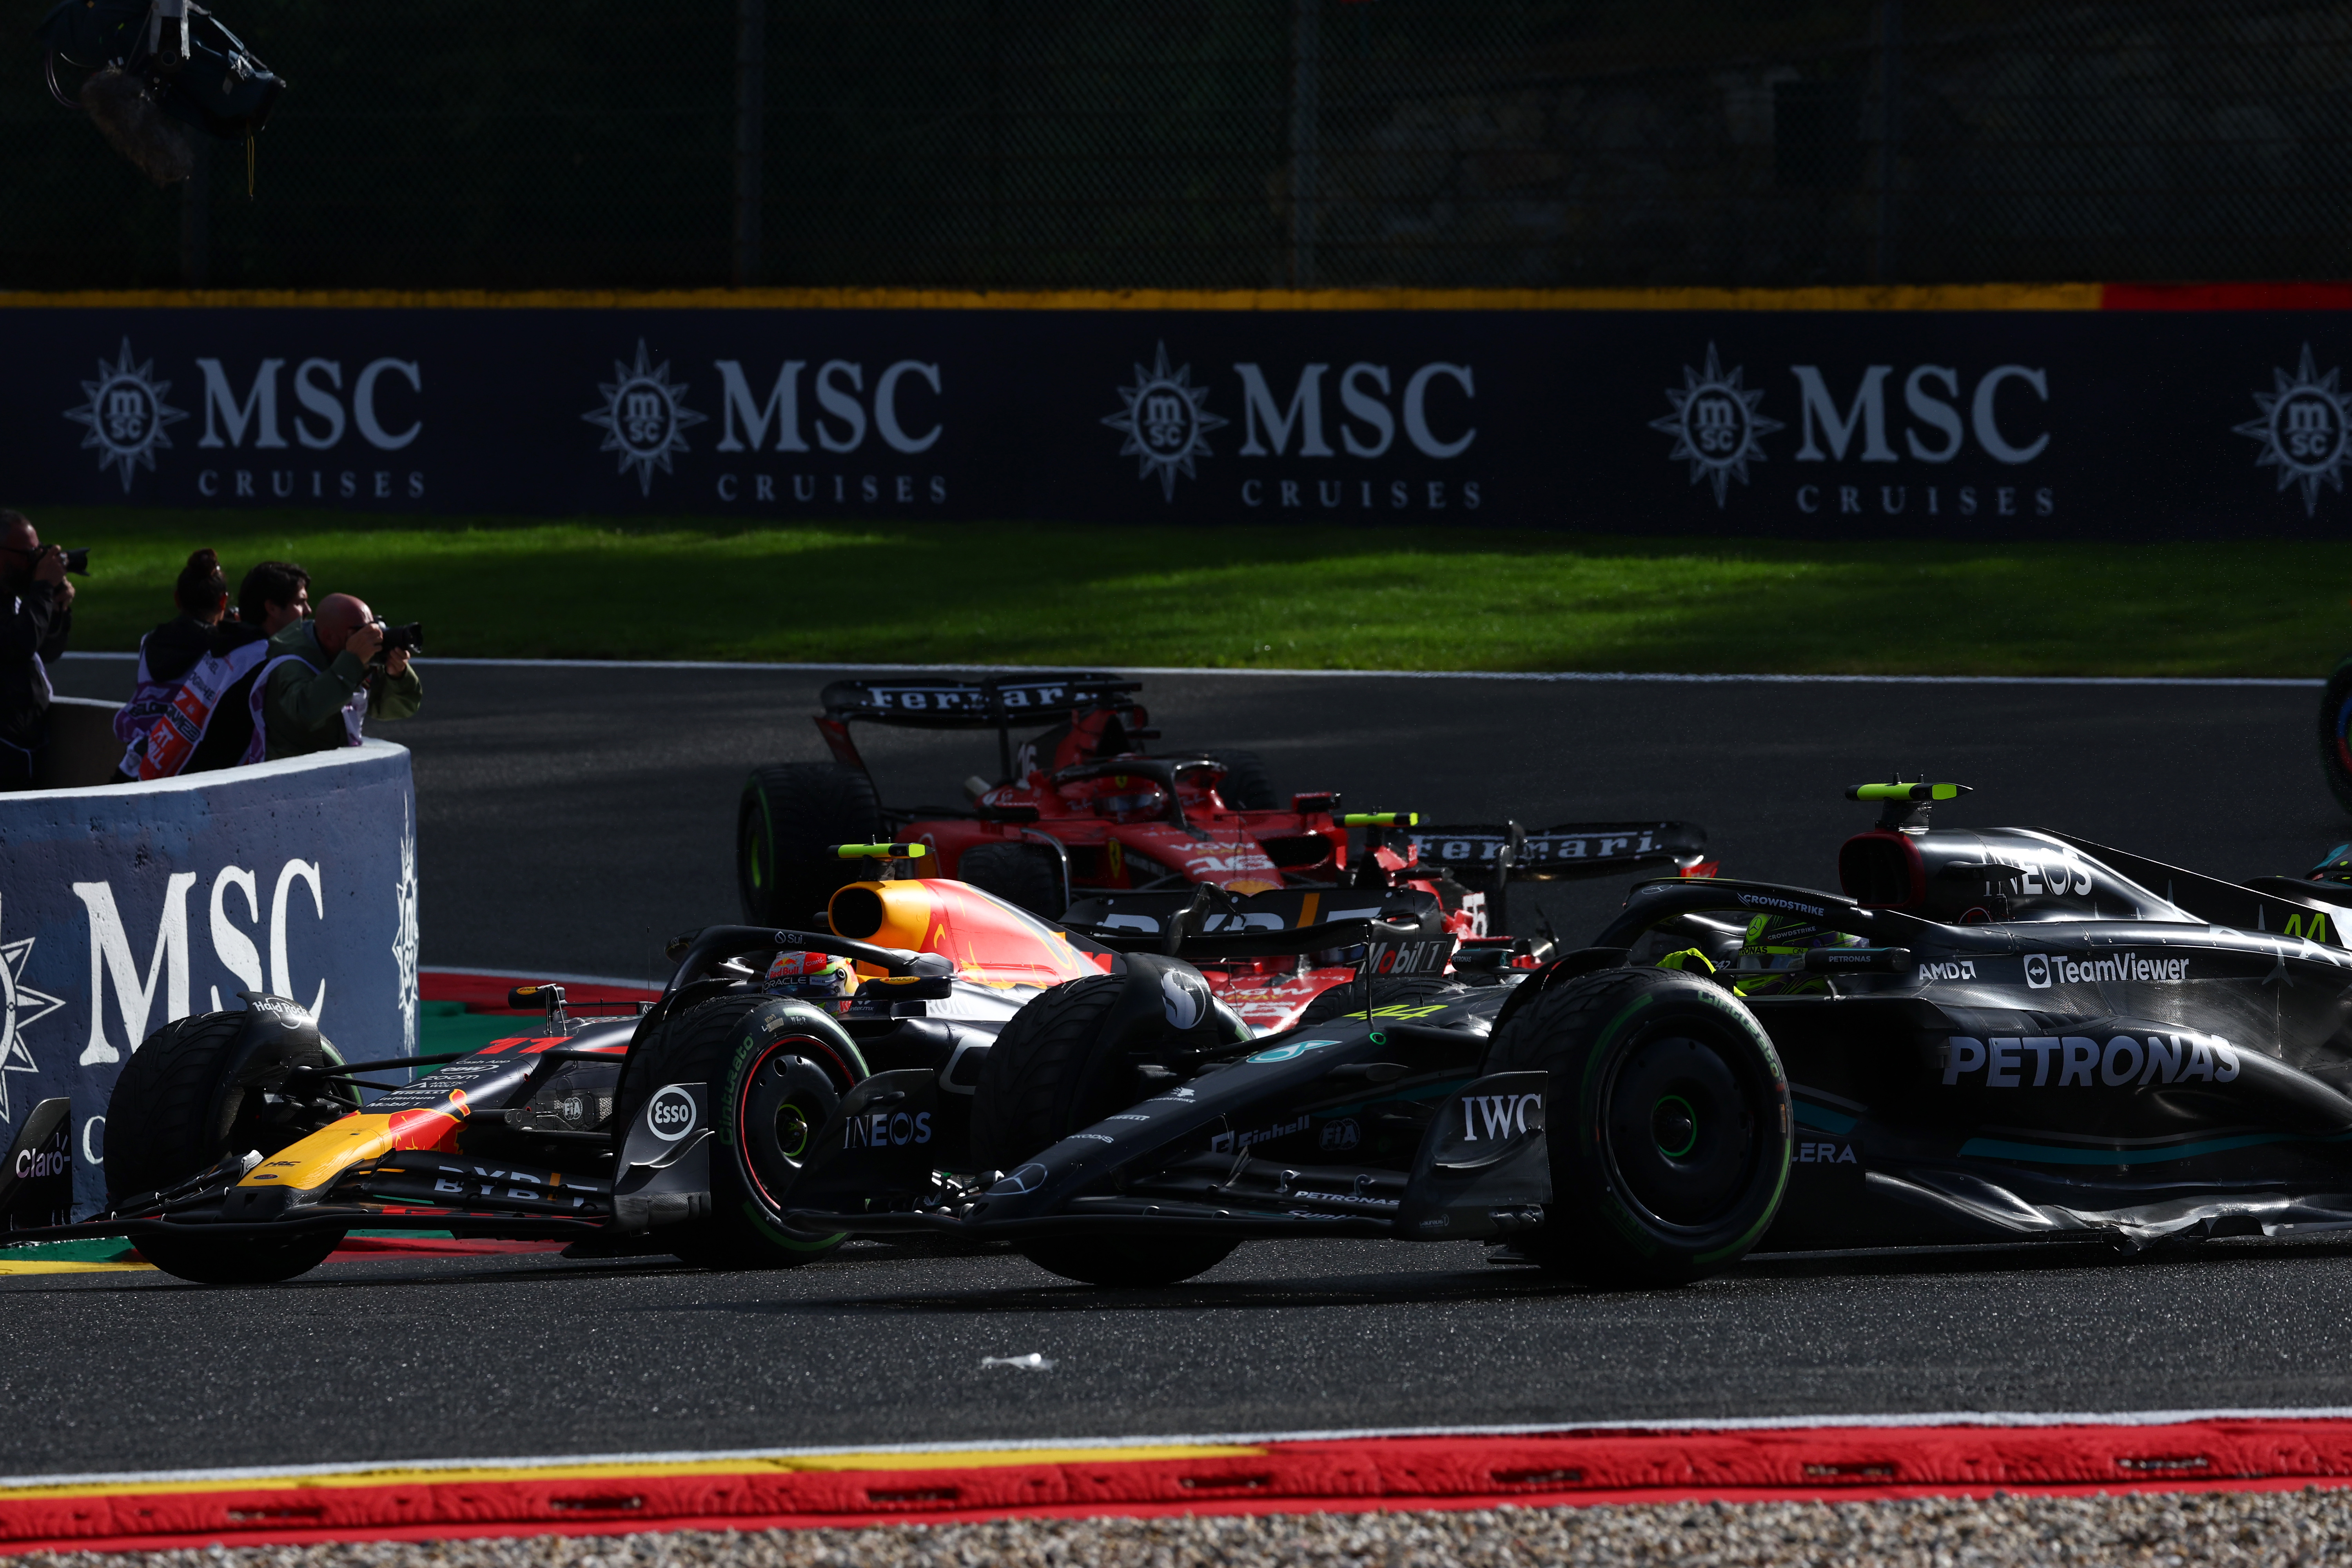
938	702
1492	856
944	702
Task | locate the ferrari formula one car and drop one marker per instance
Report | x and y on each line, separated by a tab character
1994	1036
1081	811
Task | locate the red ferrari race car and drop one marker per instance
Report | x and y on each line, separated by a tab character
1081	812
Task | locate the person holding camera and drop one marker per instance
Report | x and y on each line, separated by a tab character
35	618
330	674
213	718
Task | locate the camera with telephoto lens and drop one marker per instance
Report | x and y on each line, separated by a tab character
76	562
409	638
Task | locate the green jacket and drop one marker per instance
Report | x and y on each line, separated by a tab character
304	708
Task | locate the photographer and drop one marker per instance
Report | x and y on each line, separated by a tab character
168	653
35	618
326	678
214	718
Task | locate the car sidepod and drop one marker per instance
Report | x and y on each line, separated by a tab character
2137	1080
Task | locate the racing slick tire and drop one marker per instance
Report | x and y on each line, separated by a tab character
1028	875
1400	991
179	1107
775	1070
1247	785
1053	1071
789	813
2335	733
1667	1125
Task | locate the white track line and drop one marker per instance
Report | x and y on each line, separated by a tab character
1999	1418
1561	675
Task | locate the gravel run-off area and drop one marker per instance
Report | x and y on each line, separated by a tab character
2307	1526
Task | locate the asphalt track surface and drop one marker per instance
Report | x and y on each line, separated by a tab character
569	819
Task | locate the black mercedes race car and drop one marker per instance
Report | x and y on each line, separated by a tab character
1990	1036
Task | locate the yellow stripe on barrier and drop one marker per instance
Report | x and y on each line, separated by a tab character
848	1460
1937	297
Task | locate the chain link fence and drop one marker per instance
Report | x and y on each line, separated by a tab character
1226	143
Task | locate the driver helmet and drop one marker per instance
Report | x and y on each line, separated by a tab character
2335	866
1775	944
819	977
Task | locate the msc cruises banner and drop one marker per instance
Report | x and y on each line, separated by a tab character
126	907
2016	424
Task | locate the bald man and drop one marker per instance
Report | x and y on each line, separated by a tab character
35	617
321	685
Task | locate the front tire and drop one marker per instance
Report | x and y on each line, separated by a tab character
181	1106
1247	784
2336	733
789	813
1667	1124
1052	1072
775	1071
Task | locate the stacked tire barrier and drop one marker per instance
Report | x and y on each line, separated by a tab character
125	906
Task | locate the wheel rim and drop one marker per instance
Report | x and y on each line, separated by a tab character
1684	1119
1673	1126
785	1100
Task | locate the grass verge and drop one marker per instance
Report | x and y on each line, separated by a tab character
1234	597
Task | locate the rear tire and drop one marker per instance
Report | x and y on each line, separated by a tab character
1667	1124
789	813
2336	733
1247	785
177	1109
1027	875
1052	1072
775	1071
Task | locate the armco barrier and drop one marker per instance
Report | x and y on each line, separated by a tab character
2027	411
124	906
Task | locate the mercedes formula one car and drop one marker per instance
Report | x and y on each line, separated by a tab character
1081	811
1990	1036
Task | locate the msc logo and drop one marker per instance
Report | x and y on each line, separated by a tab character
1715	425
644	417
125	415
1166	422
2304	429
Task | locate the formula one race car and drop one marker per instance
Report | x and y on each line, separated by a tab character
2003	1036
1080	810
242	1151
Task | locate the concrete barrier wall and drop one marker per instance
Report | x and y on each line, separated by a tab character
126	906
